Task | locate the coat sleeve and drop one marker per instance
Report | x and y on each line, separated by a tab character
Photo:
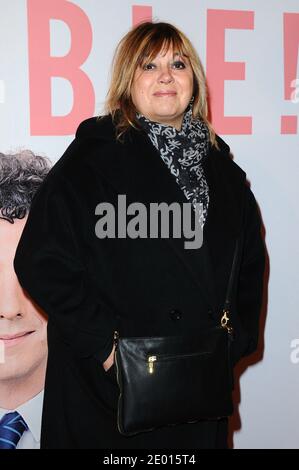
49	264
250	285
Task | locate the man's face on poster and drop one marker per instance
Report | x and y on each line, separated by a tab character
23	326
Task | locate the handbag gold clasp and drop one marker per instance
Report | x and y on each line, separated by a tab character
225	320
150	362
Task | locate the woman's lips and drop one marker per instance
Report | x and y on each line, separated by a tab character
165	93
11	340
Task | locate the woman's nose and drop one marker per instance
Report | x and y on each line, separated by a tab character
165	75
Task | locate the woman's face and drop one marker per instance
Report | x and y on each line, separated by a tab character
162	88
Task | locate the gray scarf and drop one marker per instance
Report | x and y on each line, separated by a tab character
184	152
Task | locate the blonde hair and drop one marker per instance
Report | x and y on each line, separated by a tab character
146	41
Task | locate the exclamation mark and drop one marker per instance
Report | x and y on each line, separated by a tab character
141	13
289	124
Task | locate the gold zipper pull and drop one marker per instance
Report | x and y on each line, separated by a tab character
150	361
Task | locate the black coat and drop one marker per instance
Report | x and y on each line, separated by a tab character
90	287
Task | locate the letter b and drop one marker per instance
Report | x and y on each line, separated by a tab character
42	67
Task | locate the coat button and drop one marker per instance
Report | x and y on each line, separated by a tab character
175	314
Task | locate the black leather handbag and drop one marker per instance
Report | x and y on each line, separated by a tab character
172	380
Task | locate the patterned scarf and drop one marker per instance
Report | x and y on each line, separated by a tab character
184	152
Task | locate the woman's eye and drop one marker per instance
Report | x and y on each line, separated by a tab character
148	66
178	64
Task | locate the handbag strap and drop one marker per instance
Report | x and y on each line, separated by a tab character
226	308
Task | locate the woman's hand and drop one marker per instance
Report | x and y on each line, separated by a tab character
110	360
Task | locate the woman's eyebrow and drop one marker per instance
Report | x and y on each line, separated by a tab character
176	55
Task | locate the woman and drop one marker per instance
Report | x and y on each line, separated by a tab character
154	145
